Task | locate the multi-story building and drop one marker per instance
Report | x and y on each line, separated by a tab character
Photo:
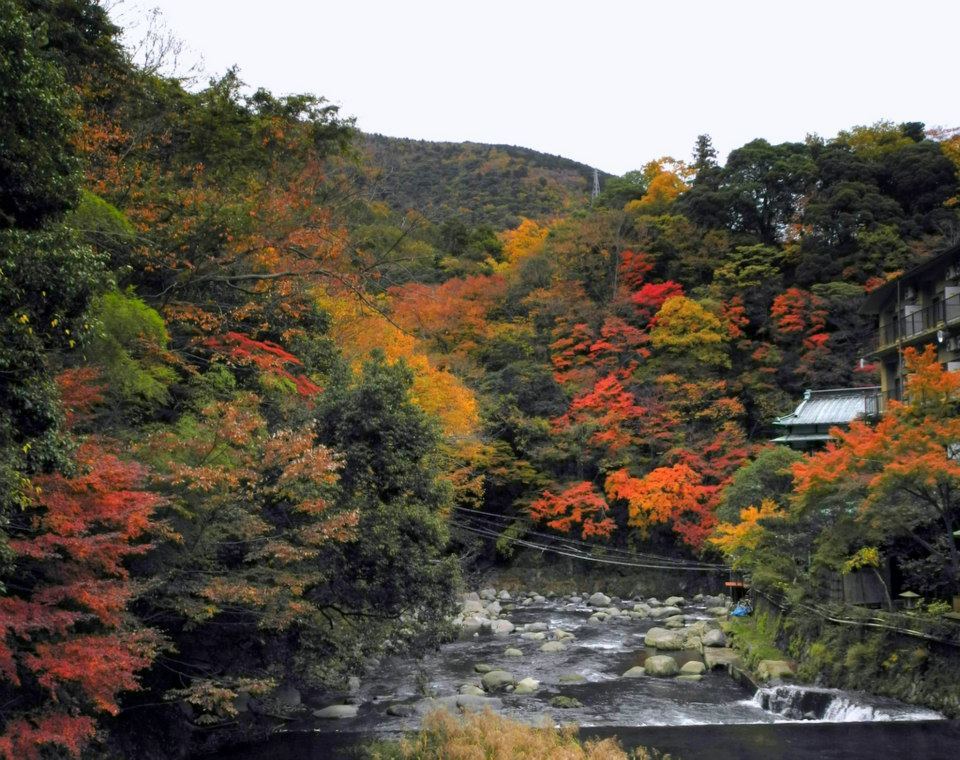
921	306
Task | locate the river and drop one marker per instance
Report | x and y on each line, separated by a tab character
714	717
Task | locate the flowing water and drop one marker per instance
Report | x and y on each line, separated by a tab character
713	718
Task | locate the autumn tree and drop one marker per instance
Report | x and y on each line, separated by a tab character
902	472
68	643
577	506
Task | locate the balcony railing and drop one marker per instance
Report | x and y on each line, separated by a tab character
876	403
928	318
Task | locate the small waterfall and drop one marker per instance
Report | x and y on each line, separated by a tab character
835	706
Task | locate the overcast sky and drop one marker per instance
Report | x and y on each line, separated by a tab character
611	84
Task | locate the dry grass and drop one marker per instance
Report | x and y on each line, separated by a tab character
487	736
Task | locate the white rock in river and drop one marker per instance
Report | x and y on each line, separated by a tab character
471	688
651	636
493	608
527	686
635	672
535	627
553	646
664	612
534	636
471	606
504	596
599	600
674	641
693	668
471	596
562	635
714	638
501	627
471	625
498	680
661	666
489	594
512	652
337	712
674	601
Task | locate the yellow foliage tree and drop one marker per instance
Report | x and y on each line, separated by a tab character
524	240
358	330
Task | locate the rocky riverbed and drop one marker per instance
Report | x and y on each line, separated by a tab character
592	659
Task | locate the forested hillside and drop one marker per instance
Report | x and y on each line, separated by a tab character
494	185
254	365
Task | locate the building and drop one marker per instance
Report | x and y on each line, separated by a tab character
921	306
808	426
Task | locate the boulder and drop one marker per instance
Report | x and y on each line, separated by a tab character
572	678
714	638
538	599
635	672
717	611
489	594
661	613
472	607
771	670
536	627
353	685
553	646
493	608
565	703
526	686
504	596
661	666
512	652
575	600
498	680
673	641
693	668
599	600
533	636
482	667
471	688
720	657
654	602
471	625
562	635
674	601
674	622
337	712
642	608
651	636
400	711
471	596
501	627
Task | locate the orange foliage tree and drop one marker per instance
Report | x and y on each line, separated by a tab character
68	646
674	496
577	505
905	470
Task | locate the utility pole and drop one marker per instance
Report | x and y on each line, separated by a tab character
596	185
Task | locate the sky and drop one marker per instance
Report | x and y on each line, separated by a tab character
611	84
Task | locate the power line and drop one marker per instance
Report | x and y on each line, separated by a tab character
574	543
585	557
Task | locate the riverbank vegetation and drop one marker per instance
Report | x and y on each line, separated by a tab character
487	735
246	397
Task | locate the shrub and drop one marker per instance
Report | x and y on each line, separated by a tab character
487	736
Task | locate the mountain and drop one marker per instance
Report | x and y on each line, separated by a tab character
479	183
